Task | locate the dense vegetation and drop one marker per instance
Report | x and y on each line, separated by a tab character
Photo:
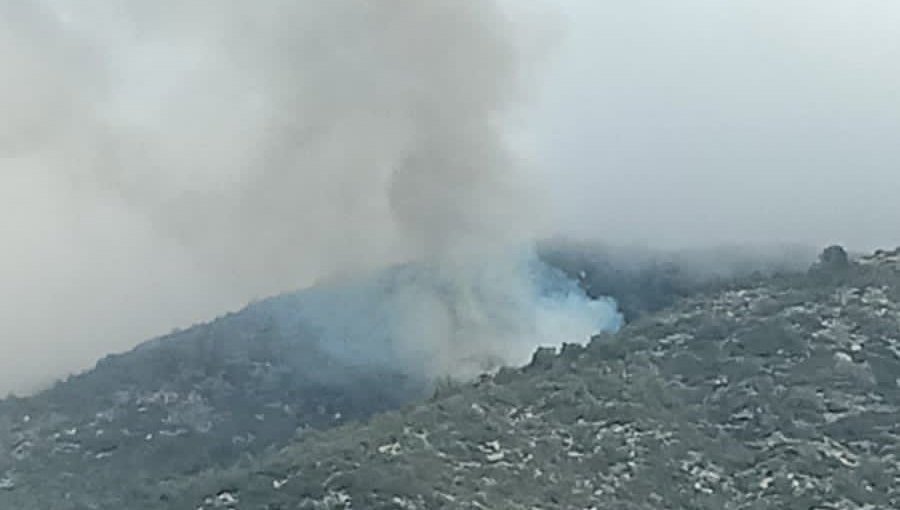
780	394
729	380
645	281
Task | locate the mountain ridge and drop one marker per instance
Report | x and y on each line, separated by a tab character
782	394
233	370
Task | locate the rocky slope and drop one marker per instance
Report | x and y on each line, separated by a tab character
783	393
229	414
191	400
141	421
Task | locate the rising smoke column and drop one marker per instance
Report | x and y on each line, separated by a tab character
429	321
265	146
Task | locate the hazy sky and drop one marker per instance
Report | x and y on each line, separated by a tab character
654	122
704	122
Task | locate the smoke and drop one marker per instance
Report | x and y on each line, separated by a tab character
162	161
281	140
431	319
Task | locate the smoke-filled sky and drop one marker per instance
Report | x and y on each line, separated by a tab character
166	161
162	162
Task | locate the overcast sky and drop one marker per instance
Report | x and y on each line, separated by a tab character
652	122
706	122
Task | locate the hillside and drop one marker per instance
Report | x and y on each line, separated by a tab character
783	393
239	407
188	401
141	421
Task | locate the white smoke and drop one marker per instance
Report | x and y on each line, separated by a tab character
436	320
164	160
